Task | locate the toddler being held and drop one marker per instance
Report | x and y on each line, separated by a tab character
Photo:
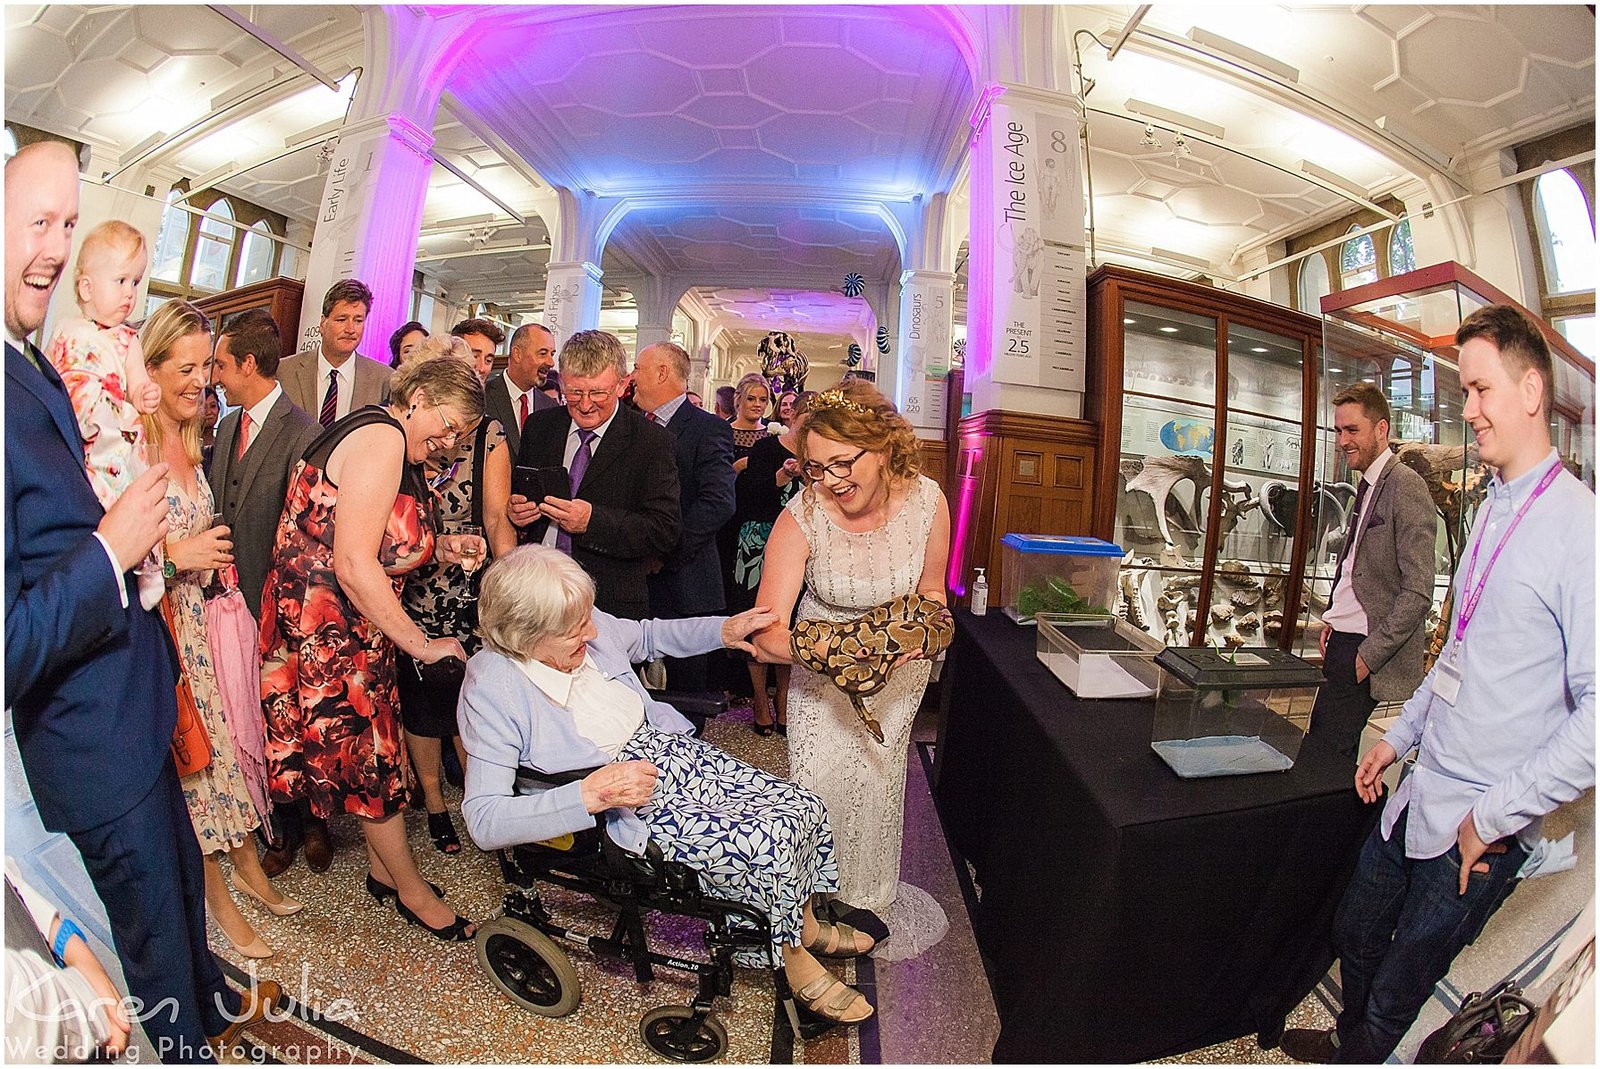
102	364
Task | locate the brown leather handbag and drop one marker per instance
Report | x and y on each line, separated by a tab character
191	745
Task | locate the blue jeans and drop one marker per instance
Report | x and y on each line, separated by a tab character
1399	926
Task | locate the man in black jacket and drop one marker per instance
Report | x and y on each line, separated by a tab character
622	519
690	580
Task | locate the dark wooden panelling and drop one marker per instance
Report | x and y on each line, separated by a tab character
1019	472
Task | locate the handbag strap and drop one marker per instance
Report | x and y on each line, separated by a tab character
479	447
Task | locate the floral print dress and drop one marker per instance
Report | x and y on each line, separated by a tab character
220	806
327	673
90	361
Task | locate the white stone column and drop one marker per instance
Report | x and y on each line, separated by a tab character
571	298
655	304
922	351
367	224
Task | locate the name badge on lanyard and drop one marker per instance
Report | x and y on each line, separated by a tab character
1448	673
1447	676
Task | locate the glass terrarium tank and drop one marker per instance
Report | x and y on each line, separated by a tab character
1098	656
1233	713
1059	574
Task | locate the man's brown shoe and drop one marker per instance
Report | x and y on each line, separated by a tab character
1314	1045
277	860
319	846
253	1006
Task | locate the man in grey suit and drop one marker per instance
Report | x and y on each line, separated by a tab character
258	445
515	393
1373	640
333	381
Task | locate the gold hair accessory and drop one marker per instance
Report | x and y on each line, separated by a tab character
837	399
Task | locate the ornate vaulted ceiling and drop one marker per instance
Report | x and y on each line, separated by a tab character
751	136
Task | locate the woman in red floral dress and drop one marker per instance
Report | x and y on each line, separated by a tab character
357	519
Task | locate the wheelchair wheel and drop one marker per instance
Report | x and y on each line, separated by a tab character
666	1031
528	967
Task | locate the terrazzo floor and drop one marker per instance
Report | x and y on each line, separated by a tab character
368	988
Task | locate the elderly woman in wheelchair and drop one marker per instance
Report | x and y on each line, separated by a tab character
553	690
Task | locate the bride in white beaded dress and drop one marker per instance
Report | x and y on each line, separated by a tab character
867	528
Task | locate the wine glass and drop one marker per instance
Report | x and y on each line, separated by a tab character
471	545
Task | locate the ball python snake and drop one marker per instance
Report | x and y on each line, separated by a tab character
858	655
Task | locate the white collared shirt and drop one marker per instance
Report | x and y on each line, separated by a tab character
566	461
604	710
258	414
1346	614
517	395
347	385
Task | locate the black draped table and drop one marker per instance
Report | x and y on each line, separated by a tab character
1126	913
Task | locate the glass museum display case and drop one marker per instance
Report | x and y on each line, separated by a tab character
1208	397
1400	333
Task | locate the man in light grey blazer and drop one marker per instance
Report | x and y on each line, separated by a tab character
258	445
335	380
513	394
1373	636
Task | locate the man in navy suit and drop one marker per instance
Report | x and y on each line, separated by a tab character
89	674
689	582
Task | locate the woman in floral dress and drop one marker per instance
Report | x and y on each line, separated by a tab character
177	355
358	518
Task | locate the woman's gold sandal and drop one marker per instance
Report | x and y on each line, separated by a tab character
836	939
829	998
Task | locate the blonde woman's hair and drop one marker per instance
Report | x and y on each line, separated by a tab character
447	380
111	236
532	593
750	382
855	414
437	345
171	323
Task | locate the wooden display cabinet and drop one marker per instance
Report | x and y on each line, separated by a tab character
1181	375
281	296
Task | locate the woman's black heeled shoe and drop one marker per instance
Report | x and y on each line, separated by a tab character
782	728
762	729
381	892
454	932
443	831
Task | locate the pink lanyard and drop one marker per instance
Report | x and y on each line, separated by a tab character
1469	605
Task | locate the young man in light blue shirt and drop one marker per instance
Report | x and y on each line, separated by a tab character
1503	725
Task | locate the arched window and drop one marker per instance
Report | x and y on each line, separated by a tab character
1358	261
1566	233
167	263
1402	256
1314	284
212	251
255	258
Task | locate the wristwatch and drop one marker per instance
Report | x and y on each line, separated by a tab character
169	571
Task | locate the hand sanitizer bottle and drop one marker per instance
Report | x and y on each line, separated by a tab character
980	594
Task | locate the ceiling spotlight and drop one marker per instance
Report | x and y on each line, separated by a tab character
1180	148
1149	138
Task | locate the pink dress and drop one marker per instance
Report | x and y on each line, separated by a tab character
90	360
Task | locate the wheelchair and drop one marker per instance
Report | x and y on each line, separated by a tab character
521	946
